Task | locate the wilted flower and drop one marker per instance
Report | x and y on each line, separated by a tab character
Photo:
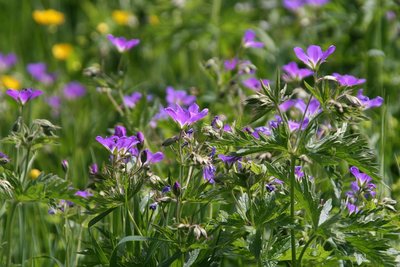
7	61
179	97
61	51
64	165
39	72
293	73
130	101
188	116
248	40
347	80
254	83
84	194
48	17
315	56
123	44
24	95
74	90
369	103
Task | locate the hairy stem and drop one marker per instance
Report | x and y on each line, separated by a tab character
292	233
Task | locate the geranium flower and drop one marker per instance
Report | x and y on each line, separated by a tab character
293	73
24	95
39	72
123	44
248	40
347	80
7	61
254	83
209	173
116	144
185	117
179	97
315	56
369	103
74	90
130	101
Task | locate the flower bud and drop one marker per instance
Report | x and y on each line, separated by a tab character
176	189
64	165
120	131
140	138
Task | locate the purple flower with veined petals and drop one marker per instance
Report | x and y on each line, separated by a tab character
185	117
118	144
352	208
369	103
254	83
119	131
24	95
313	107
74	90
123	44
7	61
248	40
229	159
315	56
39	72
179	97
348	80
231	64
362	178
298	172
362	184
130	101
152	158
84	194
294	73
209	173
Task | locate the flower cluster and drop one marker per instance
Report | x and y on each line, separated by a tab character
361	189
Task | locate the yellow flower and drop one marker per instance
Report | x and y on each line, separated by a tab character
122	17
10	82
62	51
154	20
102	28
34	174
48	17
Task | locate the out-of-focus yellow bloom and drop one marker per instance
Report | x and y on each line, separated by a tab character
10	82
121	17
62	51
48	17
102	28
154	20
34	174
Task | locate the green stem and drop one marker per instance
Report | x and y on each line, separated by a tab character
292	233
9	228
305	248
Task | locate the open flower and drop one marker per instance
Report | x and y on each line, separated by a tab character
24	95
74	90
348	80
116	144
179	97
151	158
293	73
315	56
7	61
39	72
248	40
62	51
123	44
209	173
254	83
48	17
369	103
130	101
186	116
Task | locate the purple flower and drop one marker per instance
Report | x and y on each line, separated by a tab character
294	125
39	72
120	131
352	208
130	101
186	116
123	44
298	172
254	83
315	56
362	184
261	130
84	194
369	103
176	188
230	64
246	67
151	158
51	211
293	73
313	107
293	4
54	102
74	90
229	159
93	169
317	2
347	80
64	165
7	61
4	159
275	123
179	97
116	144
166	189
24	95
209	173
248	40
285	106
153	206
271	186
